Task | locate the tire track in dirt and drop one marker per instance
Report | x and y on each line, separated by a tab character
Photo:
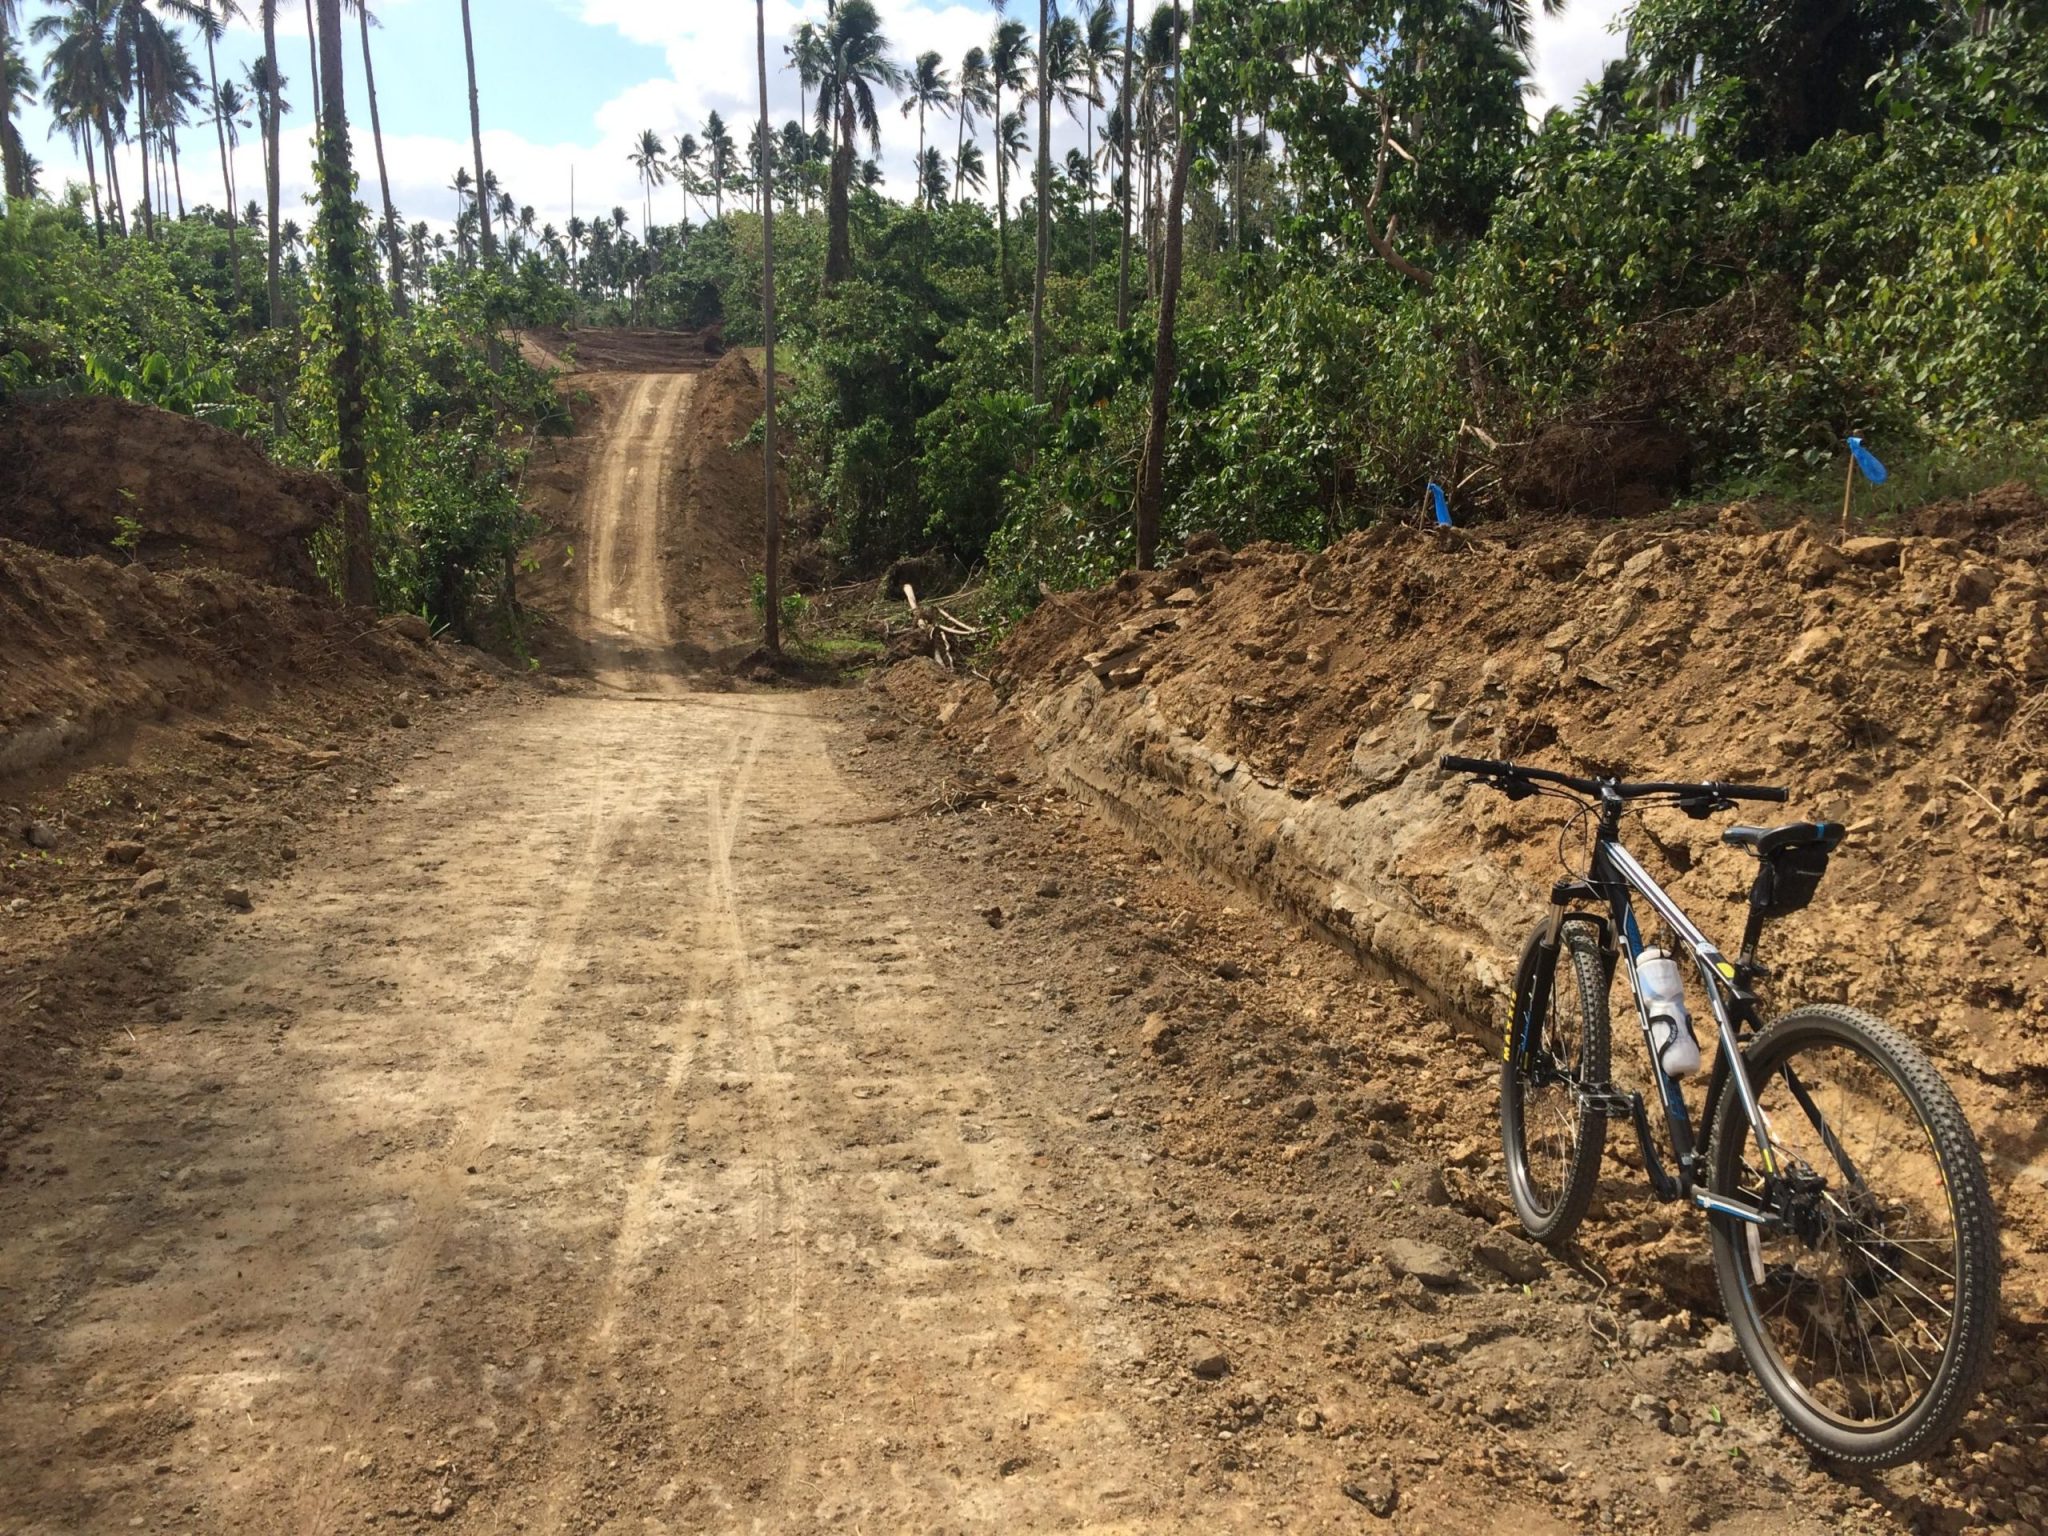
605	1130
624	507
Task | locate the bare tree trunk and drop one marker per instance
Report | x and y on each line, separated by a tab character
270	170
959	149
113	175
1166	361
142	146
177	172
476	138
1044	206
771	557
1002	211
92	177
313	60
399	303
838	202
227	175
1123	264
340	247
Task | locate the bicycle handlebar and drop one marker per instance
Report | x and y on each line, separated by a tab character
1488	768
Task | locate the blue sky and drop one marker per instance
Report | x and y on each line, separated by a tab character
567	85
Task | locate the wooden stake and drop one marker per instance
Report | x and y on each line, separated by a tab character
1848	490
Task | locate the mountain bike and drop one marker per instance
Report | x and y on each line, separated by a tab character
1853	1234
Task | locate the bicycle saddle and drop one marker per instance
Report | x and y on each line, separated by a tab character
1794	834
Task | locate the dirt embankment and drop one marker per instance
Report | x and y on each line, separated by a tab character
73	470
1277	717
170	724
622	351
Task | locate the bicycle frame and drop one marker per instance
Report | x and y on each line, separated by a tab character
1614	882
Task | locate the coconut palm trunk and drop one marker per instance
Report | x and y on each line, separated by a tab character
1130	129
340	250
313	59
476	135
271	104
771	553
1166	359
177	171
142	144
113	172
227	177
394	251
1044	201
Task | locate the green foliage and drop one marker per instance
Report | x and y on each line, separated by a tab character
794	606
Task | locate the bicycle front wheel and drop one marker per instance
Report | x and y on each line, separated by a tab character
1551	1140
1868	1312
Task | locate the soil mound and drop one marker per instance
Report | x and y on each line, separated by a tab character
88	648
1278	717
623	351
72	470
721	545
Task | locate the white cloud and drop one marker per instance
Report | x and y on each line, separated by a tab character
1572	48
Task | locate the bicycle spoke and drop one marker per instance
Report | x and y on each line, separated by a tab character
1859	1317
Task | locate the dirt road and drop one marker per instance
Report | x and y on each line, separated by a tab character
672	1110
612	1132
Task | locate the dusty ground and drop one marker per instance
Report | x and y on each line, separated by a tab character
665	1108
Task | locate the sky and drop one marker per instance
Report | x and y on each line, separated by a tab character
566	86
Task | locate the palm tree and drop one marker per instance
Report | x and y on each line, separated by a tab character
856	61
805	53
718	154
1151	497
393	252
340	255
772	523
926	86
76	122
1061	70
85	80
1098	48
464	187
975	96
175	89
150	52
649	157
577	232
1009	57
271	96
476	131
1123	109
17	90
970	169
931	177
227	115
684	169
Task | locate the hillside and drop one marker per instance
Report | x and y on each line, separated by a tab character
1275	718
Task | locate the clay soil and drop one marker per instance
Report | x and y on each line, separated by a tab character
661	1105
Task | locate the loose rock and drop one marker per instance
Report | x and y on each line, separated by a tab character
1427	1262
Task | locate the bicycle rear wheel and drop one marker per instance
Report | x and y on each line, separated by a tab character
1552	1142
1869	1314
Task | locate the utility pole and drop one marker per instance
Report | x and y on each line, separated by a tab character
772	556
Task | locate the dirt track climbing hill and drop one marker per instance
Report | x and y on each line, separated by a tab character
658	1107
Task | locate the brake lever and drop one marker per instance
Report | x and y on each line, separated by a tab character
1514	789
1700	809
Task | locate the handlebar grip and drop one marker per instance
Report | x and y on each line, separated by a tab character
1753	792
1451	763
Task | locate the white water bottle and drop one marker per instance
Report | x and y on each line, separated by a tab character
1663	990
